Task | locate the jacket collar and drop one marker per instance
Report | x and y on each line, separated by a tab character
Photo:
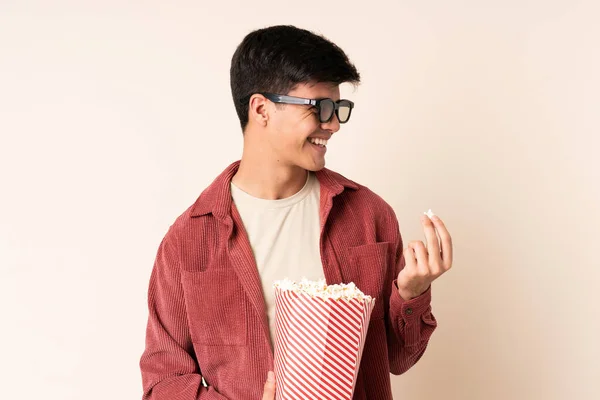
216	198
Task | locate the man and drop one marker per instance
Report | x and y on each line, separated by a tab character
278	213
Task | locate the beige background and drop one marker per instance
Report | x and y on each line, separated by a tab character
115	115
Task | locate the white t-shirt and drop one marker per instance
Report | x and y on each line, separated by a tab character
284	235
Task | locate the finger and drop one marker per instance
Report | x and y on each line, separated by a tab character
269	390
410	259
433	244
421	256
446	241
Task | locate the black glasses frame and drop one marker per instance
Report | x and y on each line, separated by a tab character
284	99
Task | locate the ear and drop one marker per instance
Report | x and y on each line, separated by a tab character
258	110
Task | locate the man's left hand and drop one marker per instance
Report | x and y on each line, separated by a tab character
425	262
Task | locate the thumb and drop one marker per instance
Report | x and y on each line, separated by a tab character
269	391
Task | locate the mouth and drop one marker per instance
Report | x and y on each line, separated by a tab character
321	143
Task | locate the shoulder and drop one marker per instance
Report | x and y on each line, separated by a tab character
357	208
179	228
362	197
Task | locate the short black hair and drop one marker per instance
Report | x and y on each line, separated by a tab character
277	58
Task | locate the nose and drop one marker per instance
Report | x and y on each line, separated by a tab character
332	126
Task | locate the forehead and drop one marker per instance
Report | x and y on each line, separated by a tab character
316	90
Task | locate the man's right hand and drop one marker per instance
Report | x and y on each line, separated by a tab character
269	393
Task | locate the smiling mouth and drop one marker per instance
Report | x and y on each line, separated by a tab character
318	142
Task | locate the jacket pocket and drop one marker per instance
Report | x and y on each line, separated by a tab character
368	269
216	307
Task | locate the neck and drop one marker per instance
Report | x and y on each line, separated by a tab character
267	178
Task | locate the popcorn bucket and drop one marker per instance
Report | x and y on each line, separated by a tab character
319	341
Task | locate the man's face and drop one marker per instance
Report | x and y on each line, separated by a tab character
292	129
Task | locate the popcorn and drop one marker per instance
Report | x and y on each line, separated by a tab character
320	289
320	335
429	213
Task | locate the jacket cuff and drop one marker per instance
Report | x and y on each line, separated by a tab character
412	309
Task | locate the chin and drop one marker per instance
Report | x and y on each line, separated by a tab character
315	166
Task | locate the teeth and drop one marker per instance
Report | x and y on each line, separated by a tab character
318	141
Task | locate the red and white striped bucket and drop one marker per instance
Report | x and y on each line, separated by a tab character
318	345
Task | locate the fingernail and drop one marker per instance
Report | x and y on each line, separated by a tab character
270	377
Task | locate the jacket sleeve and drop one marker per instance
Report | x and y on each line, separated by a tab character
410	323
168	365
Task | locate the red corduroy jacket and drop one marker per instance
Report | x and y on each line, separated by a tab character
207	334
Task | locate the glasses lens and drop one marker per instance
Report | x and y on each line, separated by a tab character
327	108
344	110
